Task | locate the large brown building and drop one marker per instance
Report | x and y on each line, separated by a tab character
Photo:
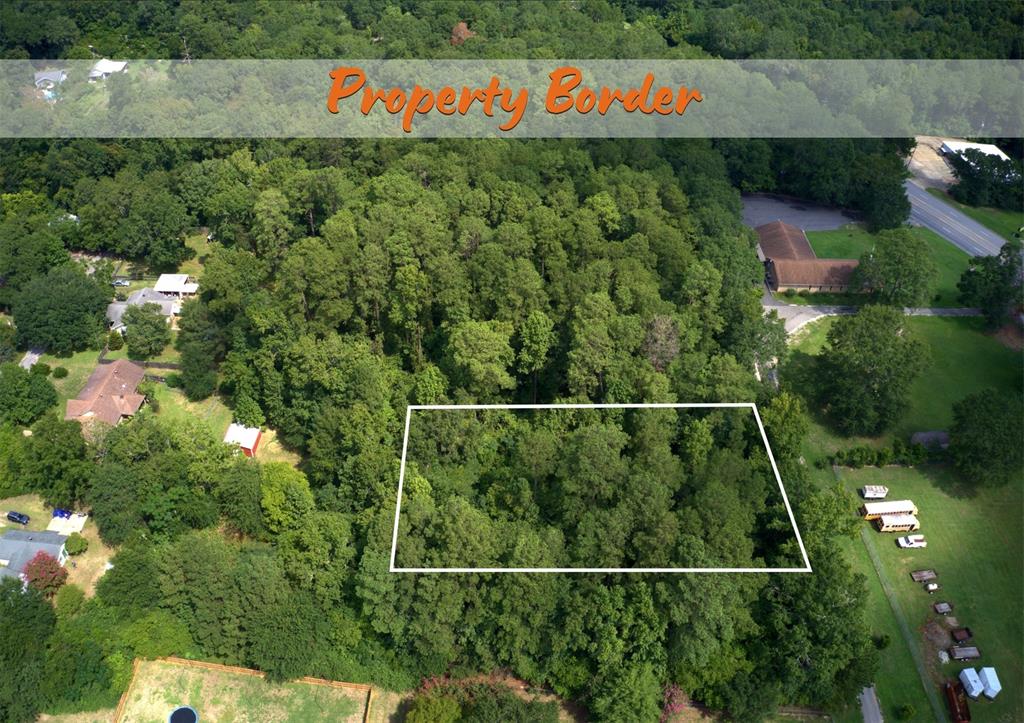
109	394
790	262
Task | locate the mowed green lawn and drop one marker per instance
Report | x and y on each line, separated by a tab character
79	365
1003	222
962	359
975	543
852	241
175	407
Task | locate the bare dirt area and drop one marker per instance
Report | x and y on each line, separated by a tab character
935	636
928	165
93	716
86	569
227	695
1011	336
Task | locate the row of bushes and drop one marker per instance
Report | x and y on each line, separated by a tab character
443	701
899	453
44	370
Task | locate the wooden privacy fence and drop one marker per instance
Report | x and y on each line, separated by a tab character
202	664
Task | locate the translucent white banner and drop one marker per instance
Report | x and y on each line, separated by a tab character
511	98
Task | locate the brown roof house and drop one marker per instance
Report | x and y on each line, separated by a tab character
790	262
109	394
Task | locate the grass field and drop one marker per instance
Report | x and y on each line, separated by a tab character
1003	222
174	407
168	355
228	697
201	246
79	365
975	545
975	542
852	241
961	359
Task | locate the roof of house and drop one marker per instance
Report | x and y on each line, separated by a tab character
986	148
115	310
54	75
17	547
169	305
243	436
814	272
109	394
175	284
780	240
103	66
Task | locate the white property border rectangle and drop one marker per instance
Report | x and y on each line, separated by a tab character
711	405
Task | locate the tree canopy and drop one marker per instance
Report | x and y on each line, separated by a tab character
868	365
993	284
61	311
985	439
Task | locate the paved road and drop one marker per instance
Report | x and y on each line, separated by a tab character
870	710
953	225
759	208
797	315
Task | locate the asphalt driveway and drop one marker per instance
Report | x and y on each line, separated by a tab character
759	208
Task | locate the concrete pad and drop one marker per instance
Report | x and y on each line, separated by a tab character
65	527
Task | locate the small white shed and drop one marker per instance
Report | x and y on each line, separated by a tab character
990	680
972	683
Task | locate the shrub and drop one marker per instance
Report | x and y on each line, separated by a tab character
173	381
905	712
147	389
76	544
60	372
881	641
433	708
789	293
114	341
41	369
69	601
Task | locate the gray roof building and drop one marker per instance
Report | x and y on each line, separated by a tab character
51	77
169	306
17	547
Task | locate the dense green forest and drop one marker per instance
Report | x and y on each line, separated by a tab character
589	29
349	279
613	488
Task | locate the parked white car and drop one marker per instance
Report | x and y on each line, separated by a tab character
912	541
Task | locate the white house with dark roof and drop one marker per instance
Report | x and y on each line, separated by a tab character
18	547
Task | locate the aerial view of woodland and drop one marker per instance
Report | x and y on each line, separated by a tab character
585	488
208	348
